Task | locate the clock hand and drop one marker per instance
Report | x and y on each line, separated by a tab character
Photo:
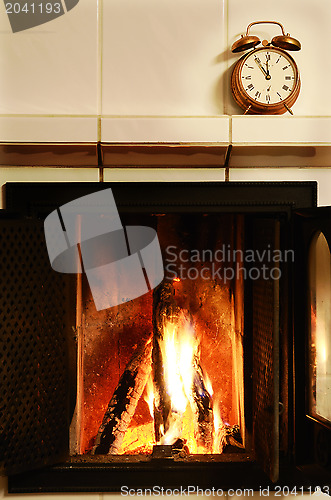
268	77
258	62
267	64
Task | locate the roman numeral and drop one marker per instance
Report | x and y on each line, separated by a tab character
289	77
285	67
285	87
248	77
267	56
279	95
257	95
278	59
250	87
267	98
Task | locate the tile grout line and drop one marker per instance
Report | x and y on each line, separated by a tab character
230	146
99	64
99	86
226	43
217	116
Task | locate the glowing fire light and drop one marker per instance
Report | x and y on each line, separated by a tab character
179	348
149	397
208	385
177	351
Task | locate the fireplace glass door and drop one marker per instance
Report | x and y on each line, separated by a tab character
167	367
320	328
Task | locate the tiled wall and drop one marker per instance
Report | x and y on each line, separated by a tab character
155	71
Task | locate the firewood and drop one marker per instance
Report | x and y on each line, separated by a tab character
165	310
203	409
124	401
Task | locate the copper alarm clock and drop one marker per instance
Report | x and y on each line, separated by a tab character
266	80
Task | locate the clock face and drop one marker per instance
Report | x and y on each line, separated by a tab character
268	76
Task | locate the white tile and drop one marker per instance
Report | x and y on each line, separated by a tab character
48	129
51	68
180	129
42	174
321	175
163	175
281	129
305	20
163	58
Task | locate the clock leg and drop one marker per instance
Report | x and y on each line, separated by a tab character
249	107
288	109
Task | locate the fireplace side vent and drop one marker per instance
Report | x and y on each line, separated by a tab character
265	301
34	406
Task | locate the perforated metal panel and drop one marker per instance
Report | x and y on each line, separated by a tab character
33	369
266	353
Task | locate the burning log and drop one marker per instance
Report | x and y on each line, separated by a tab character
172	331
123	404
164	309
204	409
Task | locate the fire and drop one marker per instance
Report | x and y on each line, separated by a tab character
139	439
193	418
149	395
179	349
209	387
184	384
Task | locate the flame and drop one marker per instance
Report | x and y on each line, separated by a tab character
208	385
172	348
149	395
179	348
138	439
180	352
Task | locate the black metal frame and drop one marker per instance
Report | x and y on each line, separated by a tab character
315	433
279	199
39	198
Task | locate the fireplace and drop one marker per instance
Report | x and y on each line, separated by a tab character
202	375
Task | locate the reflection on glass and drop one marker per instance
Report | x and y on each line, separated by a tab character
320	328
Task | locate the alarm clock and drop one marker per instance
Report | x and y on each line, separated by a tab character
266	80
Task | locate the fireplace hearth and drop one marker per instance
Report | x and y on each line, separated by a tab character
206	375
